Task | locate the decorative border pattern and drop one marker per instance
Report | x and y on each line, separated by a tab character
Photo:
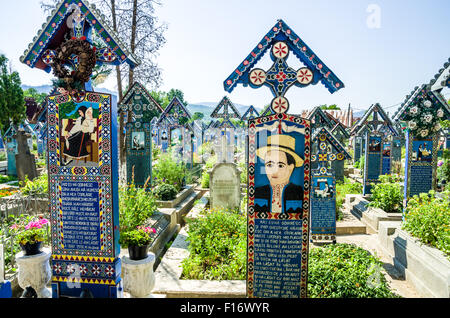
290	216
100	174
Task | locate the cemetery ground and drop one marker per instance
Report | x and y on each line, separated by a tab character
201	252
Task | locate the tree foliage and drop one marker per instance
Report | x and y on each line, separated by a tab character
33	93
12	103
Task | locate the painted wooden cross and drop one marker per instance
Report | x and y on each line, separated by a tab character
82	150
323	191
141	109
279	150
175	116
226	110
420	115
378	126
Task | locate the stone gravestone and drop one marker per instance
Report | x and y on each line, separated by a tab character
225	186
323	190
420	114
25	161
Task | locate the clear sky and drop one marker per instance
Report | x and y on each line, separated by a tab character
381	50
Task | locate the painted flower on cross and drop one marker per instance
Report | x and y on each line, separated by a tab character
57	268
427	118
427	104
440	113
412	124
414	110
83	269
96	270
424	132
109	271
71	268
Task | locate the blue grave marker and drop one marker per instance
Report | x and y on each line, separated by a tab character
419	115
323	190
81	150
278	208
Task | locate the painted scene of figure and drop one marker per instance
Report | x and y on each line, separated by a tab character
422	150
279	173
79	134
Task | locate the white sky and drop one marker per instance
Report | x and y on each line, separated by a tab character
208	39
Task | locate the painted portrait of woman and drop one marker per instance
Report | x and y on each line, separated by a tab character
281	195
79	135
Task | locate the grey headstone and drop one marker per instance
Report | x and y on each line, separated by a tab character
225	182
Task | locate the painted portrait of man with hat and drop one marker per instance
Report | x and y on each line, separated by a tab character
280	159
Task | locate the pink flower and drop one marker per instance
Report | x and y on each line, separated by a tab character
33	225
14	227
150	229
43	221
440	163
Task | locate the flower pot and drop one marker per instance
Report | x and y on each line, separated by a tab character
137	252
31	249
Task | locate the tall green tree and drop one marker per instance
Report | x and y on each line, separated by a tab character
12	103
33	93
178	93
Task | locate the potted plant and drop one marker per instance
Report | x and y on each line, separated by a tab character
31	236
137	241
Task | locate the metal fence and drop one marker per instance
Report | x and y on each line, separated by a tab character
16	205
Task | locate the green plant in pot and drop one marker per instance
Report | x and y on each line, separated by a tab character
137	241
31	236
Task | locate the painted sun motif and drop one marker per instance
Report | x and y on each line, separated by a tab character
257	77
305	76
280	105
280	50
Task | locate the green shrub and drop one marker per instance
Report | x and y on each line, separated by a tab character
156	151
443	169
167	170
136	206
5	178
243	168
217	245
39	185
205	180
428	219
165	192
387	195
345	271
342	189
209	164
360	164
